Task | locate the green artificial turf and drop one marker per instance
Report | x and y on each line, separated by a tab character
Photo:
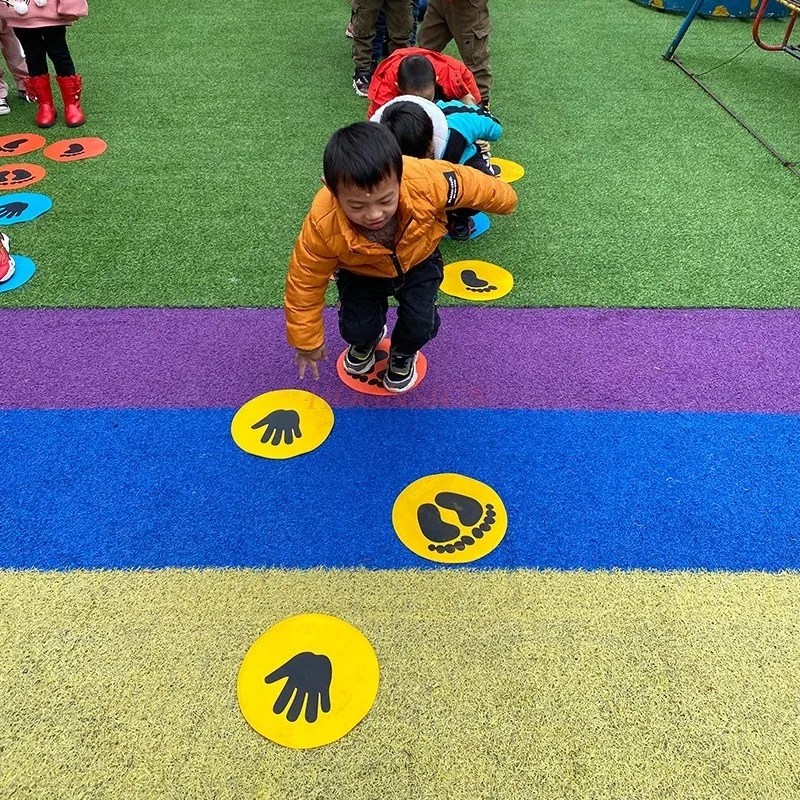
639	191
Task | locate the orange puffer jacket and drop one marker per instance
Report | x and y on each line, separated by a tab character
329	241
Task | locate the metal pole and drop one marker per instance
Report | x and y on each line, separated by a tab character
695	10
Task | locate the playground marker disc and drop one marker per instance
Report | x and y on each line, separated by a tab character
20	144
308	681
449	518
282	424
23	207
476	280
372	382
510	171
75	149
17	176
23	272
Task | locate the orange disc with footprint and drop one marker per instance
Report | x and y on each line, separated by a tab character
15	176
20	144
75	149
372	382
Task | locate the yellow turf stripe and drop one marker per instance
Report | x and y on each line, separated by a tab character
494	685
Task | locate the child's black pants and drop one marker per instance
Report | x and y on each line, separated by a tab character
364	302
38	43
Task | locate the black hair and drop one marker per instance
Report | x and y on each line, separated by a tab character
363	154
411	126
415	74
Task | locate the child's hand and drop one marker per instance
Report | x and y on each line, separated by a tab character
309	358
469	100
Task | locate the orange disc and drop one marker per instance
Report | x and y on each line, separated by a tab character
372	382
20	144
75	149
15	176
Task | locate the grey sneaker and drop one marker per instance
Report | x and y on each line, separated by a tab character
4	106
402	373
360	362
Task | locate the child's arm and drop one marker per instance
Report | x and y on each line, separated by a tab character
488	128
310	269
466	187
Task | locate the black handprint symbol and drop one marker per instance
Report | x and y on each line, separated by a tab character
75	149
12	210
473	283
309	681
10	147
280	425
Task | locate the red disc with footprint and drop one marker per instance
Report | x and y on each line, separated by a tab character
75	149
15	176
372	382
20	144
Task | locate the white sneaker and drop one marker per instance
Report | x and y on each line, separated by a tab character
4	106
6	262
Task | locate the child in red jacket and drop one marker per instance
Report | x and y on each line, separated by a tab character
453	79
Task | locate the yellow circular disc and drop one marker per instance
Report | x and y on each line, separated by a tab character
476	280
510	171
282	424
308	681
449	518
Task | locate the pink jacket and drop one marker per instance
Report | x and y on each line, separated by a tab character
39	13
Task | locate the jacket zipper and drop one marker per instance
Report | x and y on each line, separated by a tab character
393	256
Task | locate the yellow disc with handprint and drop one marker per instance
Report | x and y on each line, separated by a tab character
282	424
449	518
308	681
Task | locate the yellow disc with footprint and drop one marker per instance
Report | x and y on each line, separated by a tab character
510	171
308	681
476	280
282	424
449	518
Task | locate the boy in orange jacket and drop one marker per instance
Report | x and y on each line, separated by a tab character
377	225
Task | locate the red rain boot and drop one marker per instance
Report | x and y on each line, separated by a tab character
38	90
71	88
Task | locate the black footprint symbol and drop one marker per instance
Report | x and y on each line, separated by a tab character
10	147
475	284
74	149
20	176
375	376
469	511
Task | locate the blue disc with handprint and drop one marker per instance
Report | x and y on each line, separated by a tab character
23	207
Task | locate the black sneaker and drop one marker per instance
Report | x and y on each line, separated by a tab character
360	362
402	373
461	228
361	83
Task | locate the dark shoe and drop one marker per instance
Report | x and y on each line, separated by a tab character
402	373
361	83
461	228
360	362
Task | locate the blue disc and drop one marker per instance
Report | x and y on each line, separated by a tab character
23	207
482	224
23	272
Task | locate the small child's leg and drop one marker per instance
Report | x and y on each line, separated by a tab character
363	306
417	318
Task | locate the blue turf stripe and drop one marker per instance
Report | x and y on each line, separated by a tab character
589	490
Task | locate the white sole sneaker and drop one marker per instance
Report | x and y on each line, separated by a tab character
5	108
411	385
363	369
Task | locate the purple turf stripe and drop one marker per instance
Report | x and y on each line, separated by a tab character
618	359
